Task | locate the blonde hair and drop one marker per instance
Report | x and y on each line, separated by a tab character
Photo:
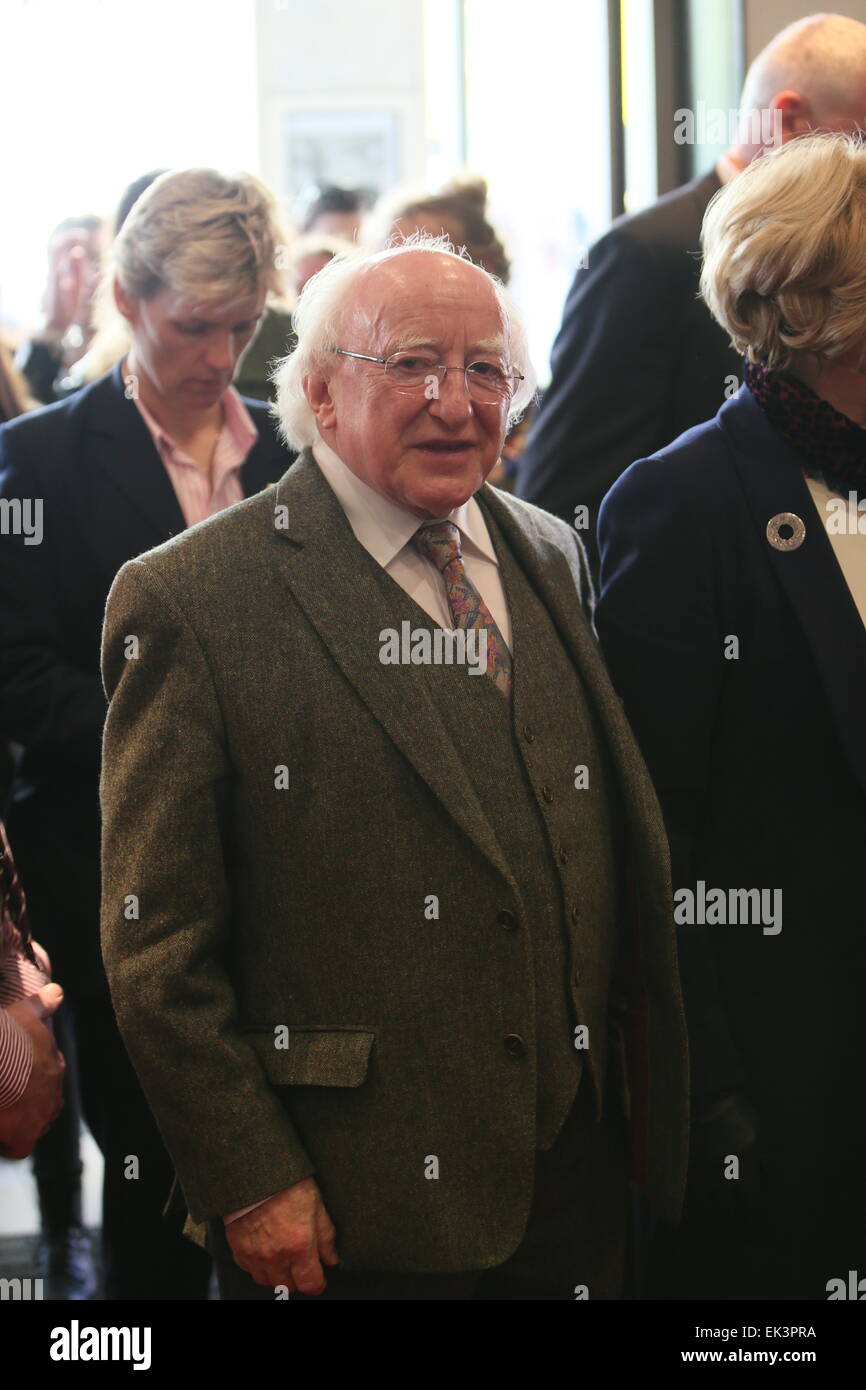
208	236
318	322
785	252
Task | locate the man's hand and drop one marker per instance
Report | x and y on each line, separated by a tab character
21	1124
286	1240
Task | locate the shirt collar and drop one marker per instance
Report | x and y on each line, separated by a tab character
383	527
237	424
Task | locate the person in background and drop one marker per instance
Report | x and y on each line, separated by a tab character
337	212
331	220
110	338
159	443
75	253
310	254
31	1066
14	398
733	618
63	1258
458	211
639	358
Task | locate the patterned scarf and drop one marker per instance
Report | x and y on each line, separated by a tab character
834	446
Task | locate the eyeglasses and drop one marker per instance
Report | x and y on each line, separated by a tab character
419	371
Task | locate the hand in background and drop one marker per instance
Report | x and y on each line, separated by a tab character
22	1124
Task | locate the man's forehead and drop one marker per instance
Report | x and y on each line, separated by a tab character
440	294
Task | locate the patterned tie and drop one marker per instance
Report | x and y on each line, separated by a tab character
440	542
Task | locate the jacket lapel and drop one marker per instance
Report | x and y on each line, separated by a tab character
342	596
770	474
120	444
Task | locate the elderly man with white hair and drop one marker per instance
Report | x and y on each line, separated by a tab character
375	836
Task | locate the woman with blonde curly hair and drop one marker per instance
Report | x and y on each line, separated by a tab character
160	442
733	617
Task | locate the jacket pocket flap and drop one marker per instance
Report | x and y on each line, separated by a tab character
313	1056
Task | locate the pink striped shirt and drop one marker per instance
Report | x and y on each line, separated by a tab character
198	495
18	978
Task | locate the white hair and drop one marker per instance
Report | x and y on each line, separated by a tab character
822	57
318	322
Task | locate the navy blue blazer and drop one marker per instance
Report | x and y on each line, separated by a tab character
637	360
759	760
106	497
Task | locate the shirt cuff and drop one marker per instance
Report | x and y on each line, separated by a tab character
16	1060
242	1211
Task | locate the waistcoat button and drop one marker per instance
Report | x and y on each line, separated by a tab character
515	1046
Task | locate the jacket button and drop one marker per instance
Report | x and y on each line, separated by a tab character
507	920
528	733
547	794
515	1046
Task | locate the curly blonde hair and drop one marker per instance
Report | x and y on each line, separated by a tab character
785	252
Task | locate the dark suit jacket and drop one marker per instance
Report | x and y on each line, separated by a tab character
638	359
106	497
300	905
760	761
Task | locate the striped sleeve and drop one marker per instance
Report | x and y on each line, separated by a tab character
16	1060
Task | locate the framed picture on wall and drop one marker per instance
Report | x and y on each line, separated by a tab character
352	149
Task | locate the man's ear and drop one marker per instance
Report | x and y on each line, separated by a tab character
798	118
317	390
125	302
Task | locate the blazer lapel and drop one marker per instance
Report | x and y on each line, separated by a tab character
771	476
329	573
121	445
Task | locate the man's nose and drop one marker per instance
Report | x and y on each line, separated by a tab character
451	400
221	353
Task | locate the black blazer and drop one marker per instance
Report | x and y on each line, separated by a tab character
759	761
106	497
638	359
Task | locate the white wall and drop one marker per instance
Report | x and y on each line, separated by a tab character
326	65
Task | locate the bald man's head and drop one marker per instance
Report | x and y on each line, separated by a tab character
814	74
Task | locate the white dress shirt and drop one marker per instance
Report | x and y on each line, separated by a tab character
849	547
385	530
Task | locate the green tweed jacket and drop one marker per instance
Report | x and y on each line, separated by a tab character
277	809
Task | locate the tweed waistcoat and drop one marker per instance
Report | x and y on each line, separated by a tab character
560	840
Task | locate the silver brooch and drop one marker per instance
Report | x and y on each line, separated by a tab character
785	531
